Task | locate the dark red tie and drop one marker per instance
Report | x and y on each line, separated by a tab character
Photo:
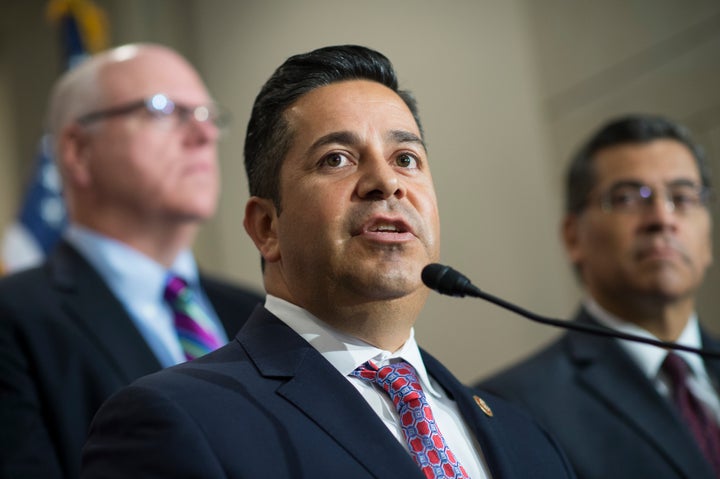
425	440
703	427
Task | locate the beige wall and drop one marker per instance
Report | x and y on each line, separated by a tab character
506	90
27	67
9	189
600	59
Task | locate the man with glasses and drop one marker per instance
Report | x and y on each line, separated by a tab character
638	231
136	135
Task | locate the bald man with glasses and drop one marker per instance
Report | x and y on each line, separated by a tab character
135	134
638	231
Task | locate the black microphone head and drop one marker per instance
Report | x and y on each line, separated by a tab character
446	280
432	274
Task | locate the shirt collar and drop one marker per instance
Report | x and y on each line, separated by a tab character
647	356
343	351
129	273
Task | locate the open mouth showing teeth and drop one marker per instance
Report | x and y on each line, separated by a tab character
387	229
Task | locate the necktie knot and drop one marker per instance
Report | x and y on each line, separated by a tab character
398	380
175	289
676	368
424	439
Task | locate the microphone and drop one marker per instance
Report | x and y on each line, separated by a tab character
448	281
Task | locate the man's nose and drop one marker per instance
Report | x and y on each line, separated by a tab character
200	132
379	179
659	212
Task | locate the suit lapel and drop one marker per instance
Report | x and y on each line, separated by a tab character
226	311
487	430
232	305
613	378
96	311
711	364
316	389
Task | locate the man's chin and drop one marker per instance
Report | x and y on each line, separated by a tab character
667	287
396	283
198	213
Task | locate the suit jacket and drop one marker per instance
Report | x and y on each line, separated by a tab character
603	410
269	405
66	344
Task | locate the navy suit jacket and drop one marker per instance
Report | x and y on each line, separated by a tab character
66	344
603	410
269	405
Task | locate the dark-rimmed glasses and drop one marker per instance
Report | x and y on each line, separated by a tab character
160	107
633	197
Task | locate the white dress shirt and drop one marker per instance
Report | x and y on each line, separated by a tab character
650	358
346	353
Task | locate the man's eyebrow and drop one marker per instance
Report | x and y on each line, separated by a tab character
349	138
624	183
336	137
403	136
637	183
684	182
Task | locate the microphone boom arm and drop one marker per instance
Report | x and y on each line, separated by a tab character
446	280
590	328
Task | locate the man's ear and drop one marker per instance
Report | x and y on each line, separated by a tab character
261	225
570	238
73	157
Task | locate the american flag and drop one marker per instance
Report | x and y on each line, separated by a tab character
42	216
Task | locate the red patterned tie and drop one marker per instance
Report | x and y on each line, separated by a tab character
703	427
427	444
193	325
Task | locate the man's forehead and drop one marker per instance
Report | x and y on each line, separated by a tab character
348	104
657	160
151	71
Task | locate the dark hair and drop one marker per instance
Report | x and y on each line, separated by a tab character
268	135
639	128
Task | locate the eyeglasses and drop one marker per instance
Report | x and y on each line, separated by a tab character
630	197
162	109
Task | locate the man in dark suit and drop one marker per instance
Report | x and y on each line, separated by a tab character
135	134
638	231
344	214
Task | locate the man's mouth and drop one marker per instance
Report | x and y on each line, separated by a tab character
388	228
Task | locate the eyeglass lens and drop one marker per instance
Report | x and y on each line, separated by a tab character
632	197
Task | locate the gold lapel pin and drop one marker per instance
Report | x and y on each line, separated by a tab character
483	406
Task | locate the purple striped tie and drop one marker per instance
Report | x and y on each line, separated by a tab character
193	325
